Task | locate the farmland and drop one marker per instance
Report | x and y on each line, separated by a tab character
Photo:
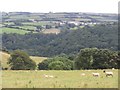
22	21
61	79
74	44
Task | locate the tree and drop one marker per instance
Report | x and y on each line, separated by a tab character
84	60
20	60
93	58
39	28
48	26
44	64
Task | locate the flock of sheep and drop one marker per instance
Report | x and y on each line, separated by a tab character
107	73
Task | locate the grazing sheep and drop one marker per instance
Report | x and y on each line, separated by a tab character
83	74
96	74
48	76
108	73
113	68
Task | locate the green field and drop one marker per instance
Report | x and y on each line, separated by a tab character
61	79
12	30
27	27
35	23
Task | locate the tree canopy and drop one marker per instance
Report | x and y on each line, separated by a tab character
93	58
20	60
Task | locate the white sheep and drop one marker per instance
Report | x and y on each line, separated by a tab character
108	73
113	68
96	74
48	76
83	74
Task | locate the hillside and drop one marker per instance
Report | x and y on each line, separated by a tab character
68	42
5	57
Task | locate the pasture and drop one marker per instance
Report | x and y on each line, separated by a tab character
60	79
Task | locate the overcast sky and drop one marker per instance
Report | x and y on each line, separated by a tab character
96	6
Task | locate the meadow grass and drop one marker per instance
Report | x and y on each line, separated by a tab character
61	79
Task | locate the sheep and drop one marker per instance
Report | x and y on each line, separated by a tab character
83	74
48	76
113	68
96	74
108	73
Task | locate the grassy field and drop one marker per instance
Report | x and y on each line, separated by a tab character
61	79
28	27
12	30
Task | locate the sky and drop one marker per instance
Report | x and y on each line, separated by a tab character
94	6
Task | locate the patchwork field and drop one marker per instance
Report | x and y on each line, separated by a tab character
59	79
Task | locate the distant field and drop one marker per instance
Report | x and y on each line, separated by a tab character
32	28
28	27
61	79
34	23
53	31
12	30
24	17
6	56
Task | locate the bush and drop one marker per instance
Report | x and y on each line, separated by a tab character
56	65
49	64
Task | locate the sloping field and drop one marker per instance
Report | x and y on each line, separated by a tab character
4	60
6	56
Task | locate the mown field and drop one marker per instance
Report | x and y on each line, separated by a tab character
60	79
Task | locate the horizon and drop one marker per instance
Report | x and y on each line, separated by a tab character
59	12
